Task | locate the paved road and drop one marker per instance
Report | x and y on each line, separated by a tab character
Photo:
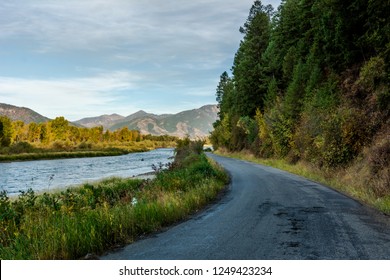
271	214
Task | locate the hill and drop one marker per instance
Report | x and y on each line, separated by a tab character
196	123
105	120
21	113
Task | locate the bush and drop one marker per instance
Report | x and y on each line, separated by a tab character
263	140
380	156
84	146
345	134
185	148
372	74
379	164
21	147
60	145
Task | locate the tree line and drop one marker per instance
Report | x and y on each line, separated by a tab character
309	82
60	132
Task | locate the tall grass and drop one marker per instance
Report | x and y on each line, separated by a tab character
94	217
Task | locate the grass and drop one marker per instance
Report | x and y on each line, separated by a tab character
95	217
59	155
354	181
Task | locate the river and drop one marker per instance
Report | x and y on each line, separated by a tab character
47	175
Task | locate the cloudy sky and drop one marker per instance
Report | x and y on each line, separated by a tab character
81	58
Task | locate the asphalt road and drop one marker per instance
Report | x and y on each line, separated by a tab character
270	214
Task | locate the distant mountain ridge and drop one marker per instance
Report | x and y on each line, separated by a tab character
21	113
196	123
103	120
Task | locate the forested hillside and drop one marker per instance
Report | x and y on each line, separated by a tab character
310	83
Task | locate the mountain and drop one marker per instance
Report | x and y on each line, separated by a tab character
105	120
196	123
21	113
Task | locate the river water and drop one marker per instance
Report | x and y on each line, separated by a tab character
46	175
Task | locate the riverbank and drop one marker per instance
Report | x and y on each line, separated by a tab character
63	155
95	217
24	151
350	181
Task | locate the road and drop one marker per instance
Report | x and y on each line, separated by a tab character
270	214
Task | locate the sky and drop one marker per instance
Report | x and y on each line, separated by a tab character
84	58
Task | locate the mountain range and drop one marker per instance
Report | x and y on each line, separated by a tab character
21	113
196	123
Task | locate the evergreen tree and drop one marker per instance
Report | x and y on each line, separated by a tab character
248	68
224	94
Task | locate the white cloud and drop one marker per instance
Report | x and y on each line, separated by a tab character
94	24
164	27
170	53
73	98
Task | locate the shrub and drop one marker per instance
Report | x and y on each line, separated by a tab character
372	74
185	148
84	146
379	164
60	145
263	140
21	147
380	156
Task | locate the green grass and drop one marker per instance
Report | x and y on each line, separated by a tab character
94	217
350	181
58	155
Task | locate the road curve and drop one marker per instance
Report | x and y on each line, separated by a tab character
270	214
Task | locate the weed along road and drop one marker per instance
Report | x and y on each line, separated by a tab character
270	214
